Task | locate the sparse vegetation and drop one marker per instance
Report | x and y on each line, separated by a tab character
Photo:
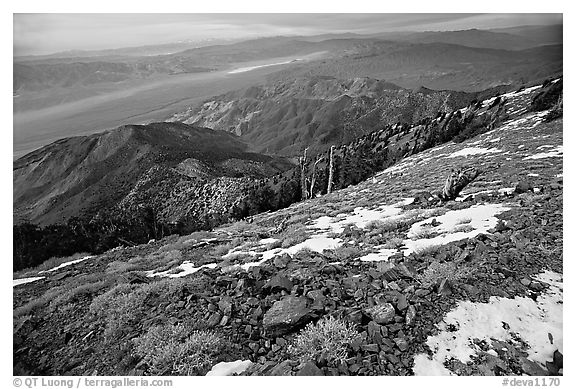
294	234
438	271
125	305
176	350
329	339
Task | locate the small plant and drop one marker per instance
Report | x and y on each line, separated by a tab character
425	232
174	350
437	271
428	251
463	228
347	253
394	243
127	305
465	220
329	339
381	226
294	234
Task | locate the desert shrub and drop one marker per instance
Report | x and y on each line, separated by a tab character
437	271
294	234
393	243
297	218
30	307
425	232
381	226
222	249
78	292
463	228
329	339
120	267
198	235
274	245
428	251
304	253
175	350
464	220
346	253
126	305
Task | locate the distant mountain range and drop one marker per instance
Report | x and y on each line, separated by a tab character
79	176
440	60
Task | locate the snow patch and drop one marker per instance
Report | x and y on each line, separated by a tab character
21	281
67	264
482	218
530	320
381	255
473	151
360	217
187	268
506	191
229	368
558	152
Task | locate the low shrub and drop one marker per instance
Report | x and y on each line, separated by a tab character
328	339
126	305
294	234
438	271
175	350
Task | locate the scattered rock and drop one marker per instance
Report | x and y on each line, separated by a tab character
286	314
523	187
381	313
310	369
532	368
410	315
279	283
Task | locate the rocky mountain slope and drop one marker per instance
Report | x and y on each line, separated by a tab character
81	176
287	116
412	285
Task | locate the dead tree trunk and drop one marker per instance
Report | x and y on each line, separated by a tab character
331	171
302	161
313	180
456	182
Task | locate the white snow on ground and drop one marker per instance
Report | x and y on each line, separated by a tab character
20	281
463	196
268	241
229	368
482	218
511	95
187	268
531	320
382	255
472	151
67	264
557	152
506	191
360	217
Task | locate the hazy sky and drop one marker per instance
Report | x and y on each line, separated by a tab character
49	33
